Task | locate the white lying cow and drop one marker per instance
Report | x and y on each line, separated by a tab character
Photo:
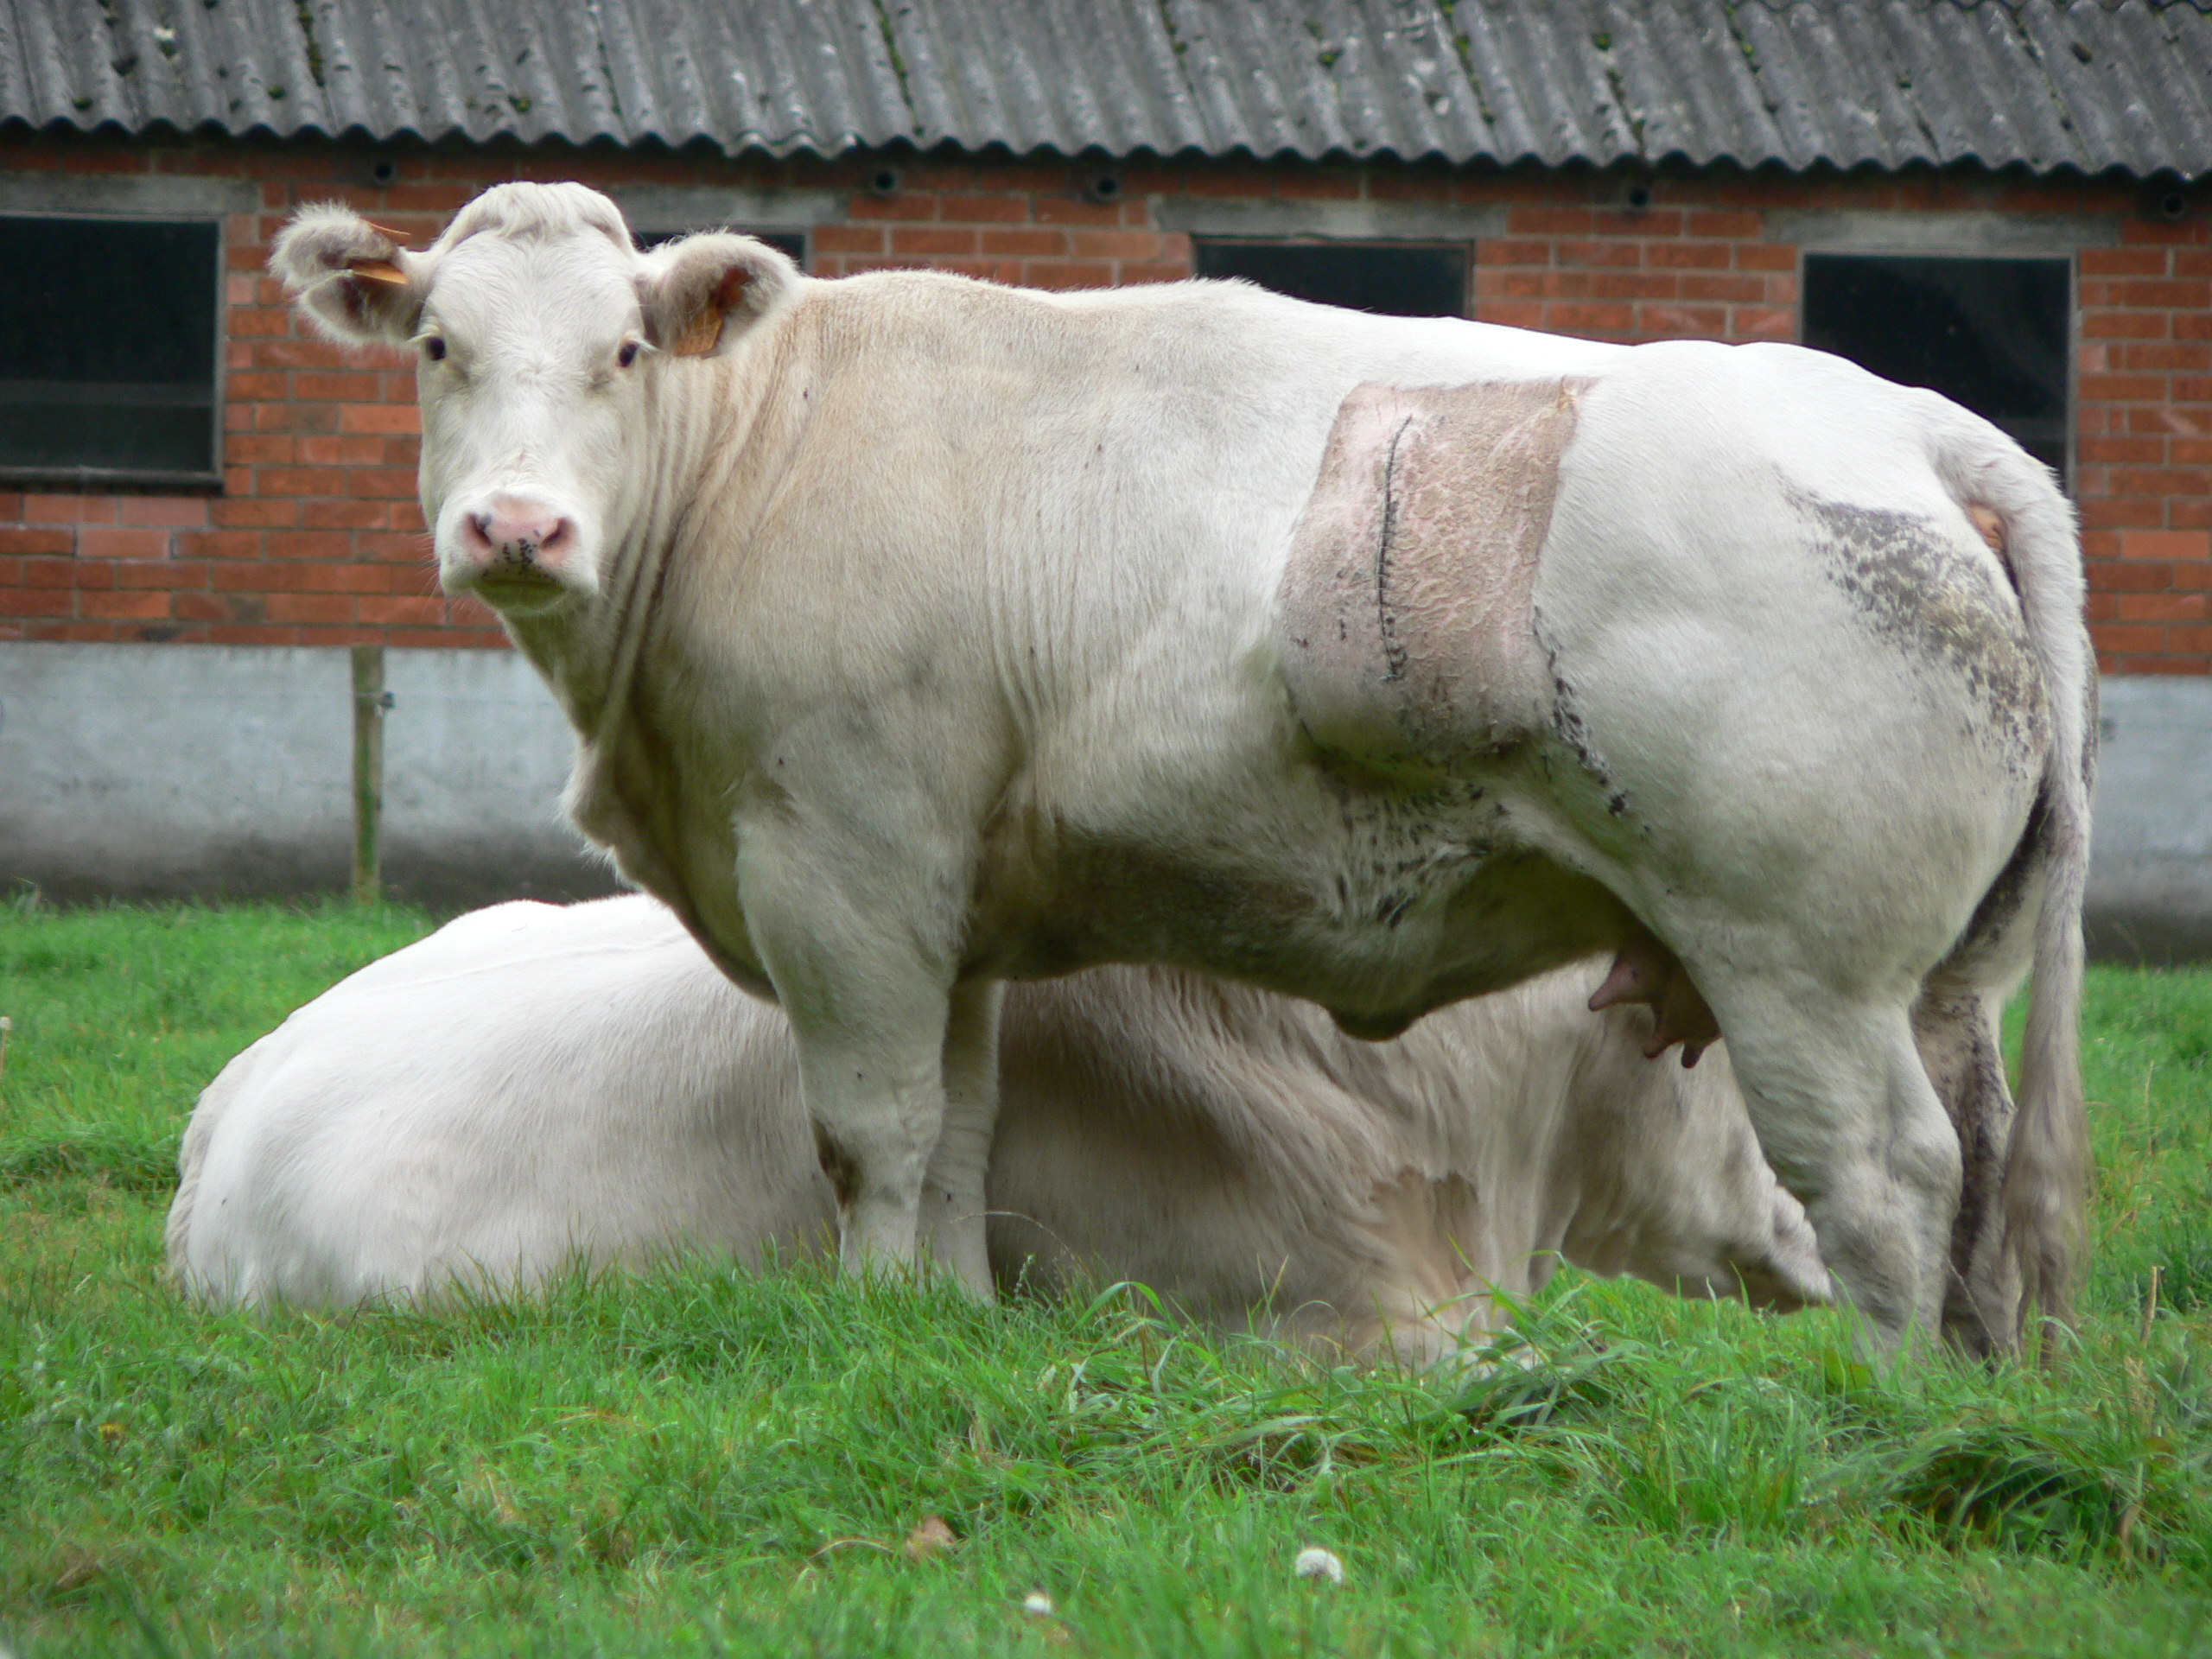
921	634
534	1087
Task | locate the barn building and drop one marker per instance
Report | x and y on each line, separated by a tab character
200	505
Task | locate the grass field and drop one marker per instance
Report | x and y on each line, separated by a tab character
705	1463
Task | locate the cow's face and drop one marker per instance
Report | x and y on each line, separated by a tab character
540	333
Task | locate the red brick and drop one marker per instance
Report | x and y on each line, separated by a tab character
245	511
1634	285
189	606
345	512
1511	313
219	545
1578	319
1693	256
2123	325
421	613
1737	290
935	240
2120	450
2172	294
310	608
303	480
1513	251
1763	255
334	388
380	418
1114	244
309	545
35	601
382	481
347	579
2121	388
2172	544
101	541
2130	636
2172	359
161	573
64	573
1332	185
1595	256
134	607
1762	323
37	540
2157	480
1702	321
336	451
2163	607
69	509
1042	273
185	512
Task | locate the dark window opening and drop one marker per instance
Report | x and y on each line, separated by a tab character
107	350
791	243
1392	279
1989	333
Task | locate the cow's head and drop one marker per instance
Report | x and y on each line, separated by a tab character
541	335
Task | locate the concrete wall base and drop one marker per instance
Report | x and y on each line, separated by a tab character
141	771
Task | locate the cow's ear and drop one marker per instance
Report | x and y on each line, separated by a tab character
699	295
351	278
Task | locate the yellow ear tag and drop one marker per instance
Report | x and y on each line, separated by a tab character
704	331
381	271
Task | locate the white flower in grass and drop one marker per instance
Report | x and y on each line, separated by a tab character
1317	1563
1037	1605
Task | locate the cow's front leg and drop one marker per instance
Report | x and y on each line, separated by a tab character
848	952
954	1231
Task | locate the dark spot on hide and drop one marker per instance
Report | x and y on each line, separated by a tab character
841	1167
1919	589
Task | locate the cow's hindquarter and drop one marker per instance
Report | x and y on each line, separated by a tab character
1805	694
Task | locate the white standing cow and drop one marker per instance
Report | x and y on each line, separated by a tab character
534	1087
921	634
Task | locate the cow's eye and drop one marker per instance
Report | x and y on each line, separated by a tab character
628	354
435	349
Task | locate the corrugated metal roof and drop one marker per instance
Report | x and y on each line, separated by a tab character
2088	85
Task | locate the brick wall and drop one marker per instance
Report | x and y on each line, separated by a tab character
315	538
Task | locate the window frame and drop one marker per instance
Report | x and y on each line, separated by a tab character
1880	235
1464	244
142	481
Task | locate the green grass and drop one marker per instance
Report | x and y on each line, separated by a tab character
707	1462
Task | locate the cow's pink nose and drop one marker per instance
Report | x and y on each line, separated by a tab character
515	532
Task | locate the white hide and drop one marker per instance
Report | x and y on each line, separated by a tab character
921	635
536	1088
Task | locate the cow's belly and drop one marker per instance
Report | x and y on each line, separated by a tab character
1378	901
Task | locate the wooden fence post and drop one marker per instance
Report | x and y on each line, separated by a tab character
370	701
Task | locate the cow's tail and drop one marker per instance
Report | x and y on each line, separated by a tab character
2035	1249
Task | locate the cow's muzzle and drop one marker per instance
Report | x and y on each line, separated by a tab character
514	551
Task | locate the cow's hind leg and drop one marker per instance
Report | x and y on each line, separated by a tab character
1846	1115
